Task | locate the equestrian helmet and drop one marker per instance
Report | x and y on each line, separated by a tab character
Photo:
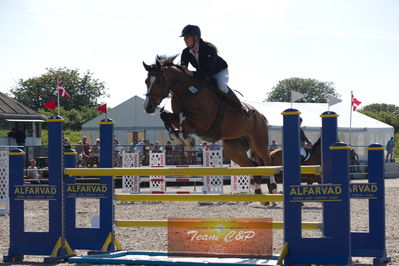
191	30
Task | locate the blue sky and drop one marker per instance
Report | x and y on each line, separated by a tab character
353	44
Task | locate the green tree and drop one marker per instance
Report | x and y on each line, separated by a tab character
387	113
74	118
315	91
83	89
381	107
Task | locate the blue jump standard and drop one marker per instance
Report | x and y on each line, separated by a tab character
162	258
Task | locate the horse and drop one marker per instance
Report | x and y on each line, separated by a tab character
314	159
198	110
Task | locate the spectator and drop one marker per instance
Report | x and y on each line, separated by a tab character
273	146
67	145
79	147
205	146
354	161
140	147
157	148
133	145
33	172
169	152
390	150
94	154
118	150
79	161
20	136
86	147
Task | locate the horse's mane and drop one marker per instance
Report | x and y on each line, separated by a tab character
166	61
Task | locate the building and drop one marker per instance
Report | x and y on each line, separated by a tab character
132	122
16	116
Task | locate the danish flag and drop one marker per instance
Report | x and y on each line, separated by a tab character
355	103
61	91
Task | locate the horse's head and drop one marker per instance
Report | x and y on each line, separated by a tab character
158	83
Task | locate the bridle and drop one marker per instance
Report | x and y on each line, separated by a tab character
166	85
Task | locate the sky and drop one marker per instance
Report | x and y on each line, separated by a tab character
352	43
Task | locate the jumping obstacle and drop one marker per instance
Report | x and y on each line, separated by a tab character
305	250
157	184
309	250
4	199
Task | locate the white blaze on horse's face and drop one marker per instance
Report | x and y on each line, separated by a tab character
149	86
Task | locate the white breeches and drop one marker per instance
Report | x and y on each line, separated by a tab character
302	151
222	78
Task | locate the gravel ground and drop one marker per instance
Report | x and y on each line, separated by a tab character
156	238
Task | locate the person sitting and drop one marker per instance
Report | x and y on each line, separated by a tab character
304	143
79	147
203	56
79	161
33	172
67	145
94	154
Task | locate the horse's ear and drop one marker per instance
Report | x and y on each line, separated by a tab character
173	58
158	64
147	67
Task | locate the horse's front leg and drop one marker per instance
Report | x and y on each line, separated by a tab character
171	122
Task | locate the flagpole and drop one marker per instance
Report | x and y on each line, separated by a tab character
58	102
350	120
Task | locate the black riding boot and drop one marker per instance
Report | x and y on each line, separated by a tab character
234	102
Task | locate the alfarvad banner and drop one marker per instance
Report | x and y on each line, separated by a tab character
220	237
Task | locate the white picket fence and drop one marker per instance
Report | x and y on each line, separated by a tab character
157	184
4	177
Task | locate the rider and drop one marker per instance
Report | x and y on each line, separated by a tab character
203	57
304	143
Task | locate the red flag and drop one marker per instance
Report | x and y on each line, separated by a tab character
61	91
102	108
355	103
50	105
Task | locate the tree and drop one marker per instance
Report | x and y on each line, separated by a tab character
83	89
74	118
387	113
381	107
315	91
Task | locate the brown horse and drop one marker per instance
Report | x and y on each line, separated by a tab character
198	110
314	159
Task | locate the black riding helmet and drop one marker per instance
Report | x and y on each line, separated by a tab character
191	30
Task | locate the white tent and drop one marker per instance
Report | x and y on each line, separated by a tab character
365	130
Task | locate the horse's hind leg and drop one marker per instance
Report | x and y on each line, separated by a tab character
236	150
259	144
